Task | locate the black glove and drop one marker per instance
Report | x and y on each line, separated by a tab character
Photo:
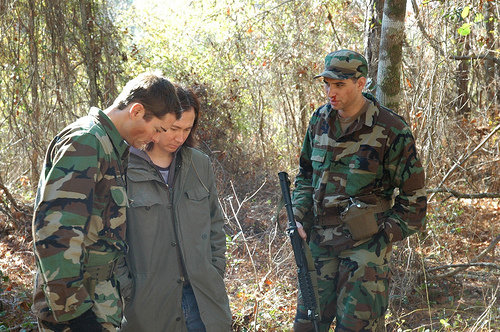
86	322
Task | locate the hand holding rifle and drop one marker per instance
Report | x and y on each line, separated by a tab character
297	238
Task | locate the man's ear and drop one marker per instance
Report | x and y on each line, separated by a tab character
136	111
361	82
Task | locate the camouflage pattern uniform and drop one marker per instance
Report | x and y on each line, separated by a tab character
79	224
374	156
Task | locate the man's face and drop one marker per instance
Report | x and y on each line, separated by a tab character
343	94
171	140
141	132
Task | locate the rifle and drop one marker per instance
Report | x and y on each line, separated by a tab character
305	283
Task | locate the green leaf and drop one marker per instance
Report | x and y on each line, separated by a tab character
479	18
444	322
464	30
465	12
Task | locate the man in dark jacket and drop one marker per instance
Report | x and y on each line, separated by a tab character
177	243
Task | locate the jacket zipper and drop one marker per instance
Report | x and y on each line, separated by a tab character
170	191
184	275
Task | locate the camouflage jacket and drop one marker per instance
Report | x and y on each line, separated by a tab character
79	220
374	156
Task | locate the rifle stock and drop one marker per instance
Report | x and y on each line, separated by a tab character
303	275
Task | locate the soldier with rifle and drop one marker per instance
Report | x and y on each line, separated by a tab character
360	188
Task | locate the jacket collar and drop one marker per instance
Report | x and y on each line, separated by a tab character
184	155
368	118
139	159
116	139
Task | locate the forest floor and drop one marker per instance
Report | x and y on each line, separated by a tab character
261	279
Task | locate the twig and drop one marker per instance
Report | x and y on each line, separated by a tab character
255	315
426	285
330	19
235	216
243	236
463	195
476	57
493	265
434	44
6	212
479	321
465	266
460	162
9	196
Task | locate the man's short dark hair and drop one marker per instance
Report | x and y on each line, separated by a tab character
153	91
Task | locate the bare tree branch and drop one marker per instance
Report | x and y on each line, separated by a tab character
465	266
476	57
460	162
492	265
462	195
9	196
330	19
434	44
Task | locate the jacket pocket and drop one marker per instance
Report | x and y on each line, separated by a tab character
144	200
196	209
197	194
318	158
320	164
145	209
148	221
113	217
362	174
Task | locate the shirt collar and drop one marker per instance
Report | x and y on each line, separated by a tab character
369	118
116	139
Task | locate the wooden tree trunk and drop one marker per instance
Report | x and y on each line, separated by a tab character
90	51
34	116
373	30
390	54
492	76
462	79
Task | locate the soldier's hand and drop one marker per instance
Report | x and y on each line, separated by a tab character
301	231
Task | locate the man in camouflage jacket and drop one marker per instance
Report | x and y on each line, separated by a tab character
80	207
360	188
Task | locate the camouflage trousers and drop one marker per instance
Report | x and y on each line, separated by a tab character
107	308
353	286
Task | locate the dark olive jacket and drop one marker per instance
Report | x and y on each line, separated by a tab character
175	233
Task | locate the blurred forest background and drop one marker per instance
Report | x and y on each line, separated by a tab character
252	64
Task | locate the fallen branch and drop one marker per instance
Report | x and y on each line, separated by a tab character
465	266
462	195
483	264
